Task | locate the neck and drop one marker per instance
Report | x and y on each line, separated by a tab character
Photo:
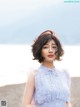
48	64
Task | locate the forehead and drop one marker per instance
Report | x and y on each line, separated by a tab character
51	42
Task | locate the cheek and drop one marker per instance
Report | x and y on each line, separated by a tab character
43	53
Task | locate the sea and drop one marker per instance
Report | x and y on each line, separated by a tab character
16	62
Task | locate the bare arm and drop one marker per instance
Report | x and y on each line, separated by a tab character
68	104
29	90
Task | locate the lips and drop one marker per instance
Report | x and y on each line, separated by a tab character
50	56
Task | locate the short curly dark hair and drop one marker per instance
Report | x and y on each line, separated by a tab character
42	39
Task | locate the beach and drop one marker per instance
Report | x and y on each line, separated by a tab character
13	94
15	64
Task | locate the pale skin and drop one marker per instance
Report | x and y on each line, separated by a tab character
48	49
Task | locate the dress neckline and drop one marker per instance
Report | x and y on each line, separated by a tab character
47	68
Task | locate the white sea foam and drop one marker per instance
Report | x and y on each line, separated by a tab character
16	61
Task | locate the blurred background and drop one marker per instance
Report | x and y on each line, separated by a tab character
21	21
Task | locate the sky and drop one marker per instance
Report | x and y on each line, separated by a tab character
21	21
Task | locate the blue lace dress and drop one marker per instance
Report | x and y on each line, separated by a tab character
52	88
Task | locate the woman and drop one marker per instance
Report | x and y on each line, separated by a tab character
47	86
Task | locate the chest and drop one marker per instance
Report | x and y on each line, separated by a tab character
50	83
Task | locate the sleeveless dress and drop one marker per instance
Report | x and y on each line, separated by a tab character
52	88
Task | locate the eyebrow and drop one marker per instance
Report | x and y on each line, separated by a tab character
52	44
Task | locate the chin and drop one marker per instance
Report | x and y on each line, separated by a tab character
50	60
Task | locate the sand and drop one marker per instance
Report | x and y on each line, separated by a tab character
13	94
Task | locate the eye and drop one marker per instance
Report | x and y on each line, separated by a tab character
54	47
44	47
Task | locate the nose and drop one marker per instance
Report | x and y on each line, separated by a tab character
50	49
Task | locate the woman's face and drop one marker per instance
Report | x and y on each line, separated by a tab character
48	51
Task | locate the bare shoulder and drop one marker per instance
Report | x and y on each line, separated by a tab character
31	75
30	82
